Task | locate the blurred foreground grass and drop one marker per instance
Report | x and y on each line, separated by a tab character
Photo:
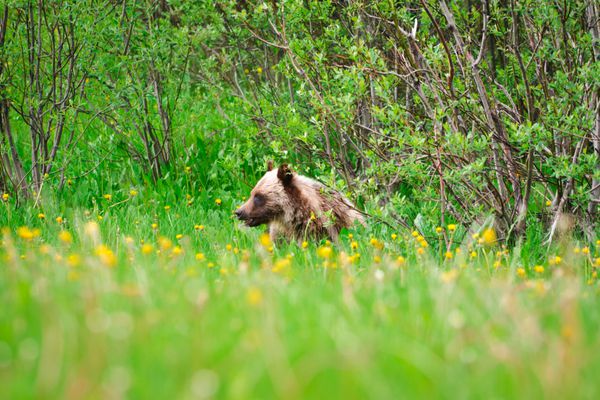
178	305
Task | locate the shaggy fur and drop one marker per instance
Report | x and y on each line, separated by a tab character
294	206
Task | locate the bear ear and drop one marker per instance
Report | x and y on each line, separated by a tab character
269	165
285	174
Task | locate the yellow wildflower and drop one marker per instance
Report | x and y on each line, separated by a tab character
354	245
414	234
304	244
451	227
585	250
147	248
154	226
265	240
65	237
106	256
439	229
133	193
73	260
400	260
394	236
254	296
449	255
107	197
548	203
5	196
539	269
199	227
324	252
521	272
59	220
167	207
420	251
41	216
228	247
473	254
259	70
176	251
164	243
210	265
25	233
489	236
218	202
178	236
377	259
200	256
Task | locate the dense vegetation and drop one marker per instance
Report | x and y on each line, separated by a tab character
469	131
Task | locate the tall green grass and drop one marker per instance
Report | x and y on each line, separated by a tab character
124	309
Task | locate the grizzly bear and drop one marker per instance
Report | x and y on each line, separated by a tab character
296	207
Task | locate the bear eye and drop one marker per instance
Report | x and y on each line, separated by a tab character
259	200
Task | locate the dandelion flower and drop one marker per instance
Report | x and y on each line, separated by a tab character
377	259
106	256
539	269
5	196
394	236
218	202
585	250
451	227
199	227
200	256
25	233
324	252
178	236
228	247
65	237
400	260
521	272
439	229
449	255
548	203
107	197
473	254
147	249
167	207
265	240
41	216
420	251
304	244
354	245
154	226
489	236
73	260
259	70
133	193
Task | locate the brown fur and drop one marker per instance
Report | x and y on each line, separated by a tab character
294	206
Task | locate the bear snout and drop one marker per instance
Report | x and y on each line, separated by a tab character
240	214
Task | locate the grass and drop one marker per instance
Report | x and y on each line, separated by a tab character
119	308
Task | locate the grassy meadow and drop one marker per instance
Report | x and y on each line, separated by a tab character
141	298
467	131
